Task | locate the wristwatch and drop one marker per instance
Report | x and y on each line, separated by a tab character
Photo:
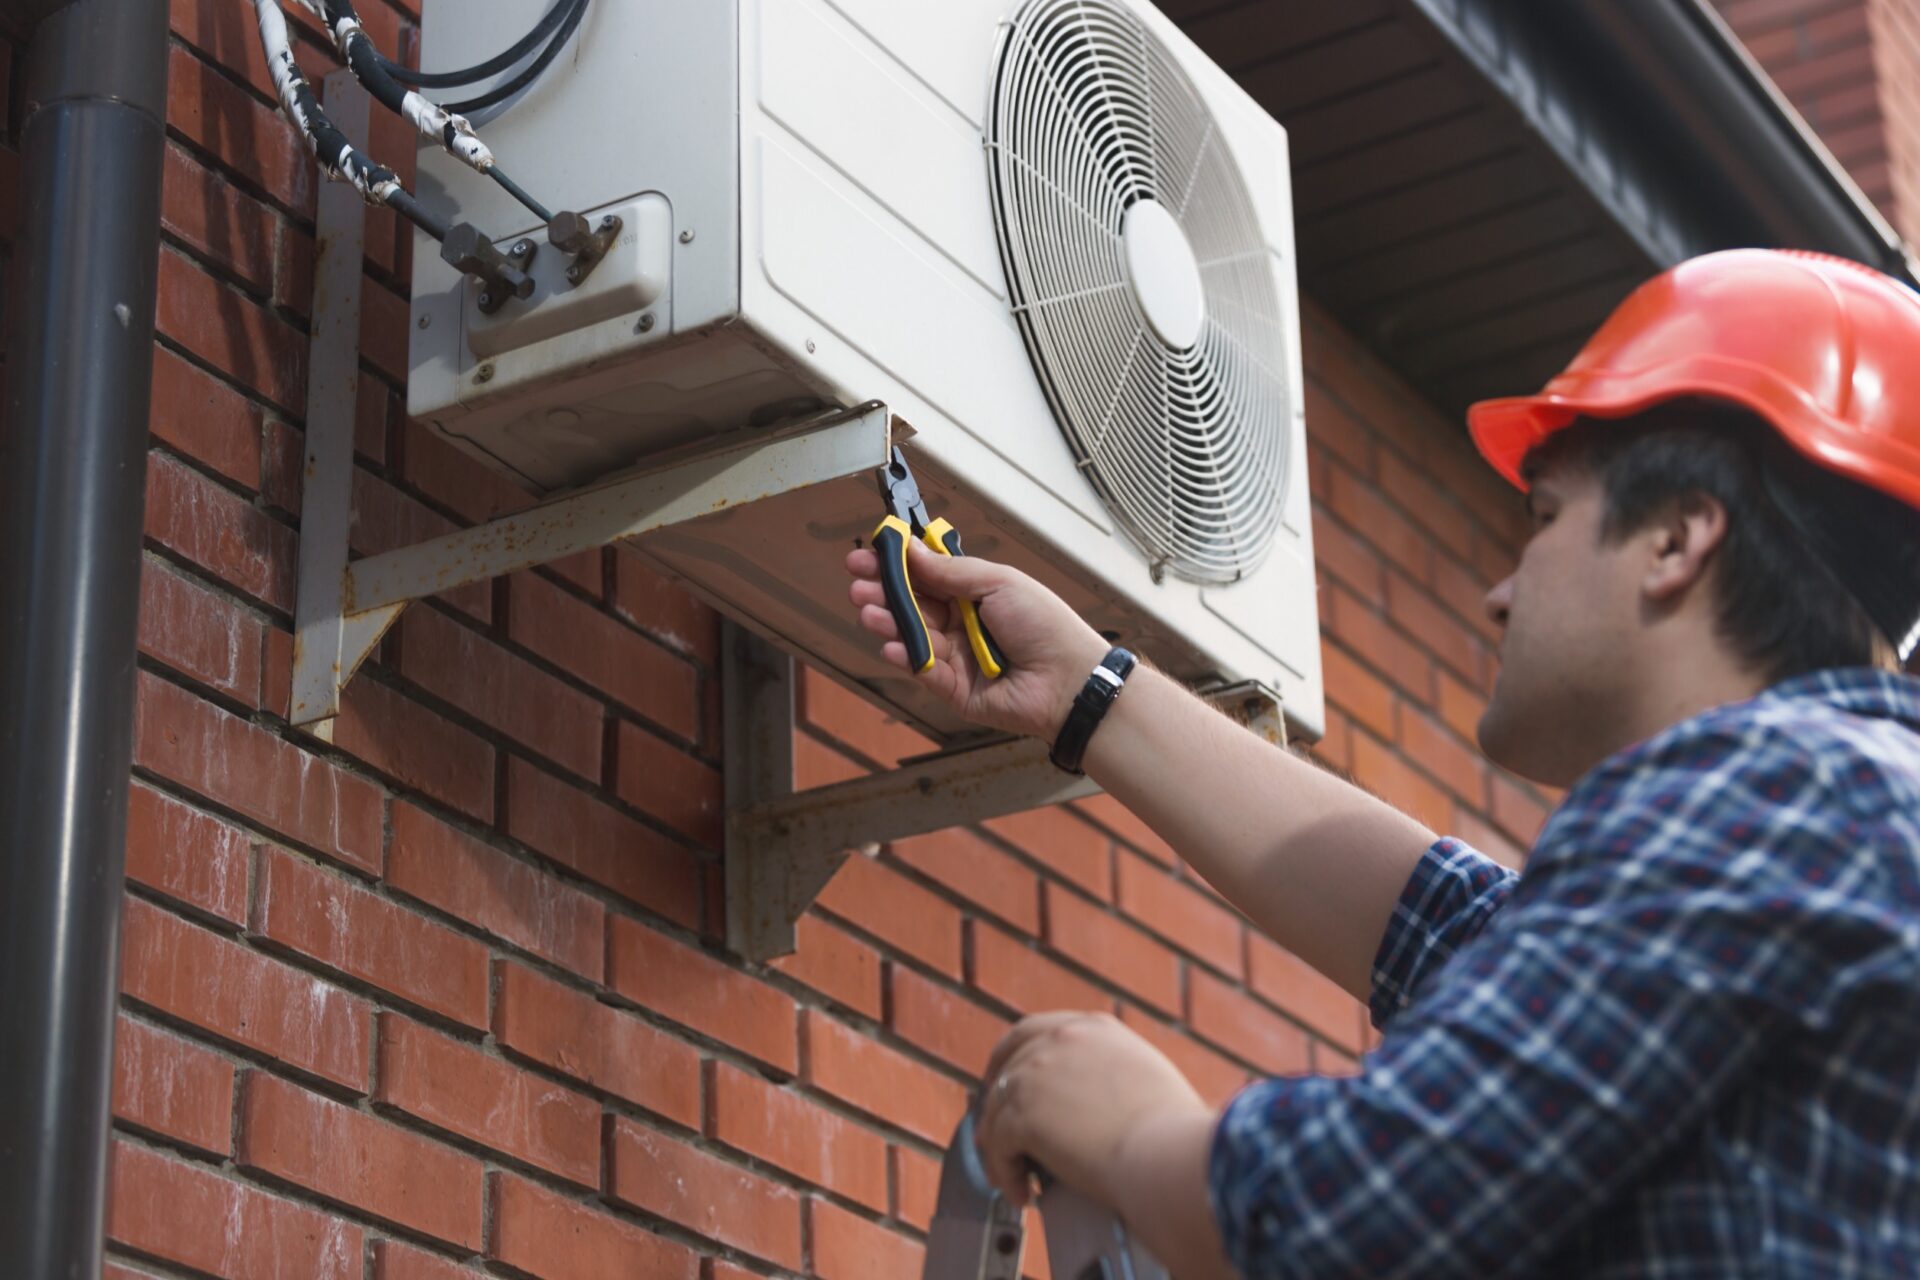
1089	708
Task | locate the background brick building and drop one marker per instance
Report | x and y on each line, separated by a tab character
445	997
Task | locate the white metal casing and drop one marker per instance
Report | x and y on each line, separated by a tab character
807	222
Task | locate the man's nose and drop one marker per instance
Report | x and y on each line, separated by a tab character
1499	601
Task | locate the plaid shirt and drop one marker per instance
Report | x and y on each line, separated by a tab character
1685	1043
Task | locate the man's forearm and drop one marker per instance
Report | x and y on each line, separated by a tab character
1160	1192
1315	862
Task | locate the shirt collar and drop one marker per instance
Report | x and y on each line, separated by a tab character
1864	691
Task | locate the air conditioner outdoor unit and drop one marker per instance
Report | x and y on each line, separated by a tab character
1051	235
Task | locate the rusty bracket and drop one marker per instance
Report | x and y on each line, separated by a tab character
783	846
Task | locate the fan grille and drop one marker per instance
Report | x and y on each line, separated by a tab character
1089	114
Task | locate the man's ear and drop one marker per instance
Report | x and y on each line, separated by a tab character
1682	542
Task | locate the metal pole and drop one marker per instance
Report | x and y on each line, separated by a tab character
72	485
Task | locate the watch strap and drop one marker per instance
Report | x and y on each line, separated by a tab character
1090	706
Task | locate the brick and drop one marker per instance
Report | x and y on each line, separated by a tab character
716	1199
1388	775
1432	507
1213	1076
835	964
1329	1061
229	331
551	1238
698	991
385	518
1461	768
1289	983
326	918
393	1260
899	912
205	419
1333	428
848	1247
969	866
235	233
1347	557
172	1087
203	637
496	893
1459	706
607	655
243	997
191	857
352	1158
663	608
587	836
1058	839
1361	507
1357	691
942	1022
1459	587
1187	918
1335	749
916	1181
817	765
245	768
420	750
789	1132
1233	1021
570	1032
882	1082
653	774
461	666
383	330
1104	944
459	1089
1018	976
243	131
1437	630
187	1215
1126	826
220	532
1516	811
853	722
1376	642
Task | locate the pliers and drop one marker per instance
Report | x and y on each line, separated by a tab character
907	518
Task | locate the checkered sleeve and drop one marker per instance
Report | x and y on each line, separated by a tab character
1623	987
1453	891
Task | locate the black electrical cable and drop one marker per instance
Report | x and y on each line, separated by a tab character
515	190
531	72
492	66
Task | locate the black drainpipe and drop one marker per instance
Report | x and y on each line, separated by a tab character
73	458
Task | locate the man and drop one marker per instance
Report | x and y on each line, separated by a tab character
1685	1042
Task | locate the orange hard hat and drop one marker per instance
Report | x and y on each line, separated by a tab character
1825	349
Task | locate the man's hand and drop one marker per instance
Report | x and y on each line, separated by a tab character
1048	647
1066	1092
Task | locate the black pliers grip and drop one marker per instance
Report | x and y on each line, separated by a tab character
907	519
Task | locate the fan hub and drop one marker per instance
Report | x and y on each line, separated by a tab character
1163	273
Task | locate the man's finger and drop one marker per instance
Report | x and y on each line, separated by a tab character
953	577
863	563
999	1134
1017	1036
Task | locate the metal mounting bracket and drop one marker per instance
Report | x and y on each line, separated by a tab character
783	846
344	607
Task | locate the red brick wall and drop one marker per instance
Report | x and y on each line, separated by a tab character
446	995
1852	68
1896	53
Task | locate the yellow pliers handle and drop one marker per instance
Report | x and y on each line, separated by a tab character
890	544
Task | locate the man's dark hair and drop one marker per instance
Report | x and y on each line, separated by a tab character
1814	566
